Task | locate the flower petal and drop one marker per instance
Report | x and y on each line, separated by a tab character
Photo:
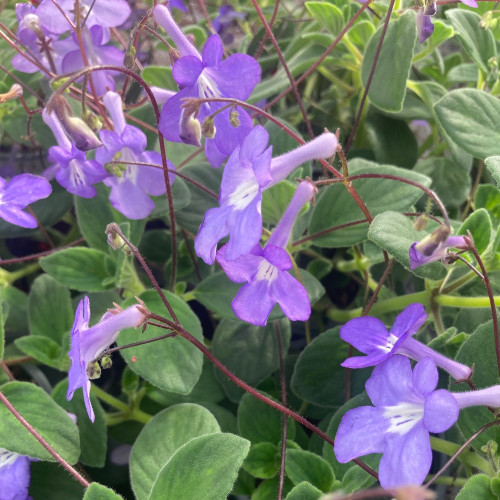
187	70
213	52
213	228
366	334
253	303
15	478
362	431
440	411
409	321
291	296
425	376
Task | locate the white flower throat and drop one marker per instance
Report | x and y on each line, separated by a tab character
403	416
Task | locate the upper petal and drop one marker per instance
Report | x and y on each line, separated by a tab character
366	334
291	296
212	230
242	269
212	52
425	376
440	411
409	321
187	70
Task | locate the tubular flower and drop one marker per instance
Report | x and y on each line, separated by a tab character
88	343
208	76
370	336
249	171
265	272
15	475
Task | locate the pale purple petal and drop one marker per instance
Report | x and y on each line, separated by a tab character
134	138
213	228
14	215
391	382
228	137
372	359
407	458
291	296
24	189
440	411
470	3
366	334
362	431
213	52
424	26
14	476
129	199
425	377
409	321
214	156
170	116
253	303
152	179
278	257
187	70
242	269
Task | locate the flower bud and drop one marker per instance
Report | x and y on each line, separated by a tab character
15	92
208	128
174	55
129	57
430	243
106	362
93	121
93	370
190	129
234	119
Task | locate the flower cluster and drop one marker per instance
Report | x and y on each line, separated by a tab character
407	406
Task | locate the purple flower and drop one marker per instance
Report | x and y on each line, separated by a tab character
104	13
94	40
425	27
131	187
226	19
434	247
407	408
15	475
17	194
88	343
370	336
249	171
266	272
72	169
208	76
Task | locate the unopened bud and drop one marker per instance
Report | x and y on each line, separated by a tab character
93	370
93	121
234	119
421	222
115	241
15	92
429	7
208	128
129	57
174	55
106	362
190	129
488	21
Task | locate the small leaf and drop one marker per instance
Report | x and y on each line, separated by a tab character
45	350
488	197
262	461
493	165
161	438
97	491
83	269
304	491
388	86
479	224
46	417
50	309
303	465
471	118
329	16
206	465
250	352
477	487
172	364
159	76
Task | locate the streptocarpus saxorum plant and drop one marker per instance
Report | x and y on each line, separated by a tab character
333	223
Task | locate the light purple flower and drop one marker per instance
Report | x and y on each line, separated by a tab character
249	171
94	40
130	190
370	336
88	343
265	272
15	475
208	76
104	13
434	247
17	194
425	27
71	167
226	19
407	408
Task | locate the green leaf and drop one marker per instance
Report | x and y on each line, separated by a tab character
450	181
463	73
493	165
93	436
94	214
263	460
471	118
50	480
260	423
479	224
50	309
318	369
159	76
329	16
275	200
161	438
45	416
478	487
268	489
388	87
488	197
479	43
336	206
97	491
303	465
206	467
172	364
304	491
478	350
395	233
45	350
83	269
3	317
392	140
250	352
